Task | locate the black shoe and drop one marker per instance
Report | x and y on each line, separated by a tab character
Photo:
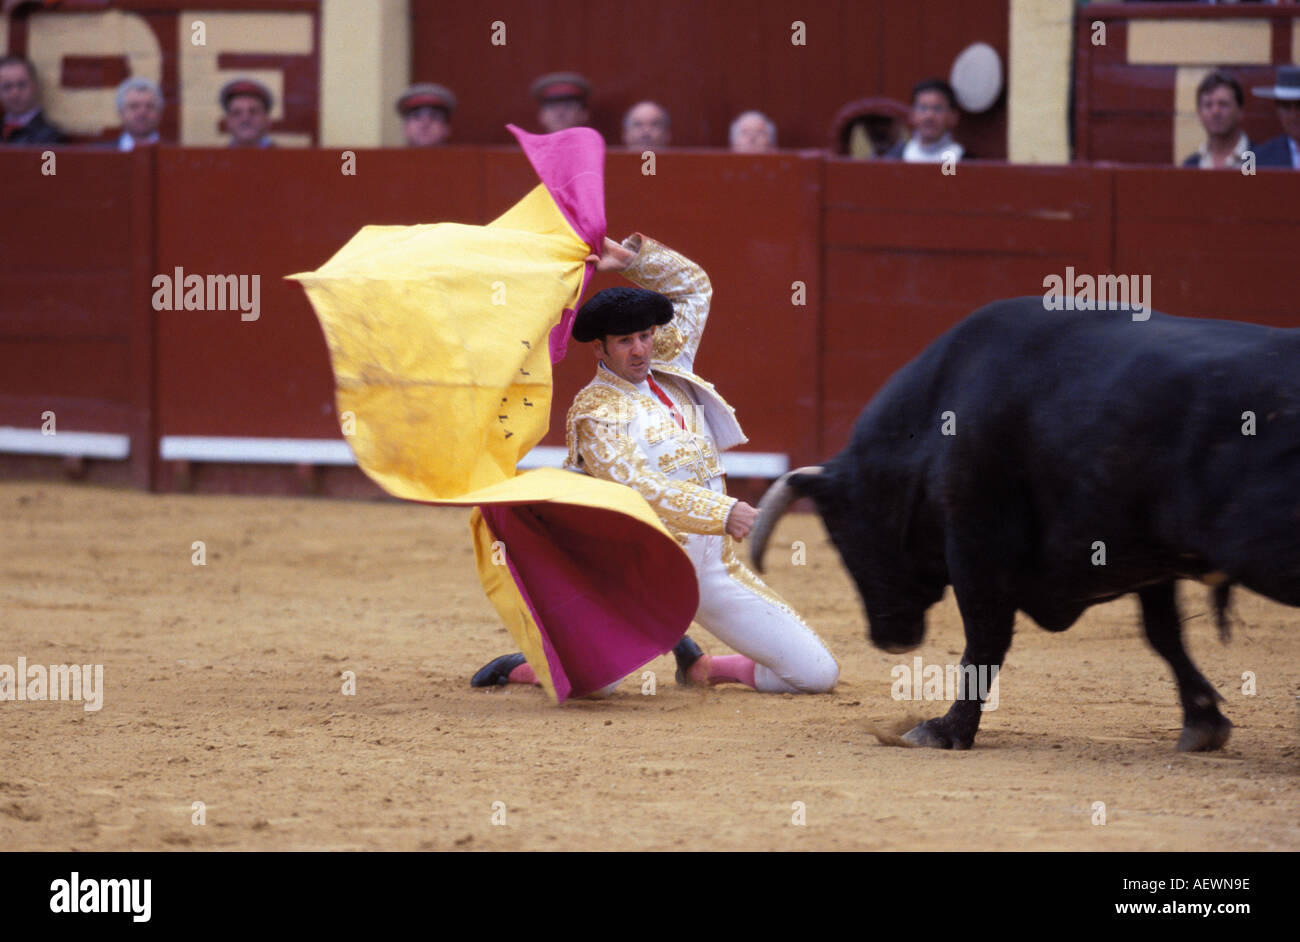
496	673
687	653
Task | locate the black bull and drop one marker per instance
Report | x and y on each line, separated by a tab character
1045	461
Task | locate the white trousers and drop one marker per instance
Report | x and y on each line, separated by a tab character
740	610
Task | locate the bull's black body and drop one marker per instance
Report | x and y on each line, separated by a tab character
1071	429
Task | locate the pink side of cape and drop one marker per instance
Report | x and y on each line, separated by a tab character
571	164
582	574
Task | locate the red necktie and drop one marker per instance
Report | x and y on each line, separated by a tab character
10	128
666	401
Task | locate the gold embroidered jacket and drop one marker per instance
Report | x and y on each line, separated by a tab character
619	432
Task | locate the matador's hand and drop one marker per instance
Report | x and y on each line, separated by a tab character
613	257
741	520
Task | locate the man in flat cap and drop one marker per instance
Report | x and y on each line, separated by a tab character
562	101
426	111
648	422
247	104
24	121
1283	151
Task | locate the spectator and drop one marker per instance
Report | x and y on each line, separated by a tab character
247	104
562	101
934	115
1283	151
752	133
1218	105
646	126
426	111
139	105
19	93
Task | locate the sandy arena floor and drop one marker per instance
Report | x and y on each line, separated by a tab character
222	685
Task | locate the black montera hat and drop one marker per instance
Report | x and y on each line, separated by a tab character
619	311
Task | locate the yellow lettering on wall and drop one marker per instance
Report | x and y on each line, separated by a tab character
1199	42
52	36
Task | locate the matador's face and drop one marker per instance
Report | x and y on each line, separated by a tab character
627	355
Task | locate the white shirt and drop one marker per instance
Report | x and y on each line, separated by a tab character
916	152
1234	159
127	143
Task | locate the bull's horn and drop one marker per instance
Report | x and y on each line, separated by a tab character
771	508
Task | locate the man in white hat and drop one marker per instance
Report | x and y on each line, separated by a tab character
1283	151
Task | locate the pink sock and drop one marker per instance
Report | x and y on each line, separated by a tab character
523	674
728	668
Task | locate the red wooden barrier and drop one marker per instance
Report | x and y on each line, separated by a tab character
1216	244
888	255
75	337
909	252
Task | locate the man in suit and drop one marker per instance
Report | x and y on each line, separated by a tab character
140	106
24	123
1283	151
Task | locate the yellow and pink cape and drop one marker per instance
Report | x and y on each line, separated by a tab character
442	339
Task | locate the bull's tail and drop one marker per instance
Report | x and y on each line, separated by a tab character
1220	596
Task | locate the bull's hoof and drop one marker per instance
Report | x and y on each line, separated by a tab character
1203	737
934	735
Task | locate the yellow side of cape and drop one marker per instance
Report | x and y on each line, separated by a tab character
439	339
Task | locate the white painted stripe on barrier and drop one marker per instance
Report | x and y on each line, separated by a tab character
755	464
31	441
255	450
750	464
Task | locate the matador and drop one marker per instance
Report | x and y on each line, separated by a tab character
647	421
